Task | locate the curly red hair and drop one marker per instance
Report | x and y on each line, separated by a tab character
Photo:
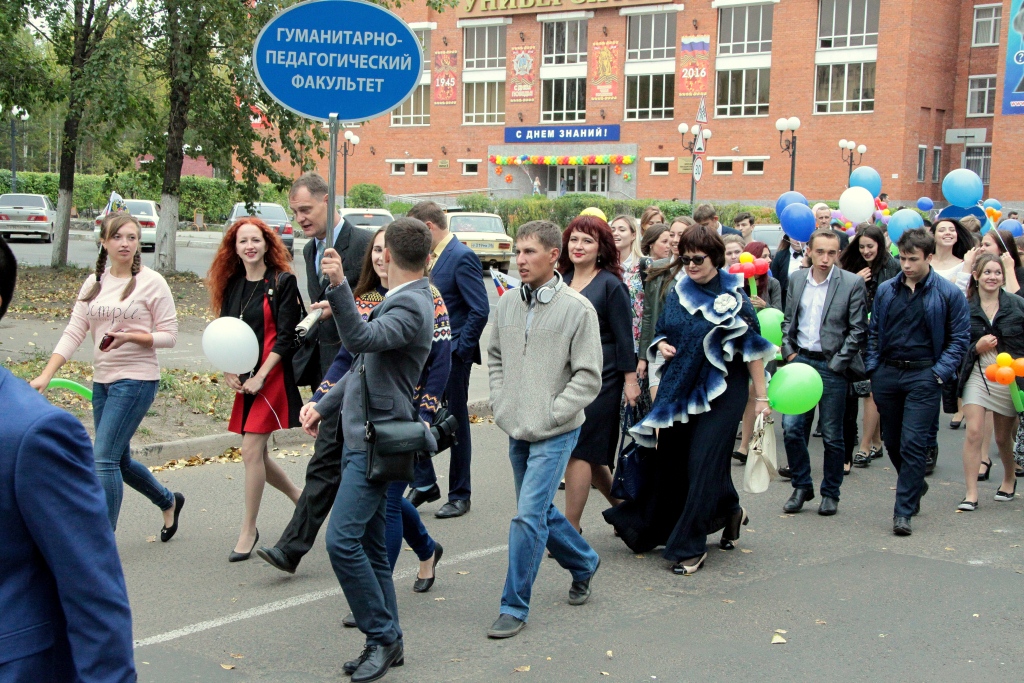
226	263
607	253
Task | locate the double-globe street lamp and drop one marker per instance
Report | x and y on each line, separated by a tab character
690	147
16	114
849	146
789	145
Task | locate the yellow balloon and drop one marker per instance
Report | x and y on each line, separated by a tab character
594	211
746	258
886	212
1004	360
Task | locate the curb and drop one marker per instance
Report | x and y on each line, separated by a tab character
480	408
212	445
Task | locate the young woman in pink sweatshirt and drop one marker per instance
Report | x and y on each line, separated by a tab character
130	311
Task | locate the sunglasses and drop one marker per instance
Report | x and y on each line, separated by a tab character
695	260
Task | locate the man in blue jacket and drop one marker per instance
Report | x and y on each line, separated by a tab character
62	594
455	271
919	333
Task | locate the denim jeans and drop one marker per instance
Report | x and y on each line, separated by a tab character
908	404
355	544
117	411
403	521
797	431
537	468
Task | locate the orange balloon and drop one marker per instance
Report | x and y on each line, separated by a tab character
1005	375
1018	367
990	372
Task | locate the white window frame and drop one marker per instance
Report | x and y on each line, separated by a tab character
866	38
716	4
467	162
718	170
746	166
660	160
988	92
423	31
995	25
667	108
666	51
417	164
936	164
401	118
744	11
922	163
743	105
495	32
844	101
578	55
395	165
499	116
985	160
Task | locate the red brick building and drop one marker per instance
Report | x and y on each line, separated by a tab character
592	92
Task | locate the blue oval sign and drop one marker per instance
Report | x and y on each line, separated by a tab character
347	57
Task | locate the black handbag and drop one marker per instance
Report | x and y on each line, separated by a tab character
305	358
443	430
630	471
392	446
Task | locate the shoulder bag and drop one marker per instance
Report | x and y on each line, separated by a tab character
631	469
306	357
762	466
392	446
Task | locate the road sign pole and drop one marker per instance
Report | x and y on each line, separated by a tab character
332	177
693	185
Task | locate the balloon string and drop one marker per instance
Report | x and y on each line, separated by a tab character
260	394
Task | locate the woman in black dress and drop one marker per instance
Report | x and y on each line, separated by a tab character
710	338
251	278
589	262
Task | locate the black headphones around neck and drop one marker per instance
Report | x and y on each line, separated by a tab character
544	294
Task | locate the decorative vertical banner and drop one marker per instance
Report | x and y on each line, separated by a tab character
604	64
522	73
446	78
1013	80
694	64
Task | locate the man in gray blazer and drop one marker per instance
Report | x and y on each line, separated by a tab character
825	327
391	349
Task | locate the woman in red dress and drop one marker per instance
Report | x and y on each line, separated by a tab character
251	278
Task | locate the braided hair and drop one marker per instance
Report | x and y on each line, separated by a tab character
110	225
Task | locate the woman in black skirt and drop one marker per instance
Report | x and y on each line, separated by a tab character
710	338
589	262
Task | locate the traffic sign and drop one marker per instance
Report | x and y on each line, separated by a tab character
348	57
702	111
698	143
698	169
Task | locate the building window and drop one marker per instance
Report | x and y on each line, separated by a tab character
563	99
423	35
651	36
420	168
415	111
742	92
723	167
922	162
397	168
565	42
753	167
981	96
484	103
936	164
843	88
659	168
988	20
592	179
470	168
847	23
650	97
484	47
979	160
745	30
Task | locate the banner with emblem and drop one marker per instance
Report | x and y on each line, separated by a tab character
446	77
604	65
523	78
694	65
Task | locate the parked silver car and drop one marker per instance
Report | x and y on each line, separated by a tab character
273	215
27	214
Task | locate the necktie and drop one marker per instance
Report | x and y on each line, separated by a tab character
321	247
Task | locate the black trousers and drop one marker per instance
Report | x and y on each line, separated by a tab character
456	394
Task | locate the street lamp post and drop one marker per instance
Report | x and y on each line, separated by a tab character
789	146
16	113
690	147
347	150
849	146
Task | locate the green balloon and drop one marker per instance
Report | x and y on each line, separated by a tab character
61	383
894	250
771	324
795	389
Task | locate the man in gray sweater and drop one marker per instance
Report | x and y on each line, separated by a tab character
544	360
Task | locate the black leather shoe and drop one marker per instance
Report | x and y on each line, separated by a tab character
861	459
505	626
168	532
417	497
350	666
932	460
276	558
579	591
731	532
828	506
917	507
797	500
349	620
453	508
741	457
376	661
423	585
785	473
901	526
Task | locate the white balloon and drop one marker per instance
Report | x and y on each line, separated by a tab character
231	346
857	205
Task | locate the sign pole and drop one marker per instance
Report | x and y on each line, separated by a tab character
332	177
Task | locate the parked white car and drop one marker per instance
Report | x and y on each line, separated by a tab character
146	212
366	218
27	214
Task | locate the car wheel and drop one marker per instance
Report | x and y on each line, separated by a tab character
48	237
503	268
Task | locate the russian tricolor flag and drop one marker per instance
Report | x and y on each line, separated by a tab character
503	282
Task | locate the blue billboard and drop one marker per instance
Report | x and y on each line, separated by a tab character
592	133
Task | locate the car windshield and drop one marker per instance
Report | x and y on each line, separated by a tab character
25	200
368	219
137	208
274	212
476	224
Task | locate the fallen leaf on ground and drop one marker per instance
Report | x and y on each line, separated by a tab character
521	669
150	539
609	653
605	673
234	656
975	615
461	573
458	659
780	630
948	548
476	419
746	550
227	666
777	639
819	622
728	602
438	599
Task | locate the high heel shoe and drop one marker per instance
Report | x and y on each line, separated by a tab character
689	566
988	466
731	533
241	557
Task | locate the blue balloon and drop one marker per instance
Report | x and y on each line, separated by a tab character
925	204
987	226
798	222
787	198
1014	226
903	220
868	178
993	204
962	187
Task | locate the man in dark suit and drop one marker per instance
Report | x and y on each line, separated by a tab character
825	326
62	593
706	215
455	271
391	349
308	200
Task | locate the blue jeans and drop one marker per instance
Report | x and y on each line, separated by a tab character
355	544
117	411
537	468
796	430
908	406
403	520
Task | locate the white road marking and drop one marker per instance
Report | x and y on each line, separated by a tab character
296	601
